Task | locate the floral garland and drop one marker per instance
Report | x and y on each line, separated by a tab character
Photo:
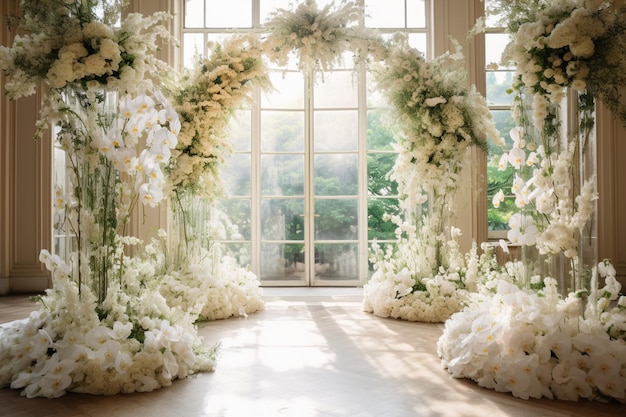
425	278
67	44
439	114
536	344
195	274
319	37
206	100
566	43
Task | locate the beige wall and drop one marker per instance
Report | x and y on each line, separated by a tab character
25	167
25	189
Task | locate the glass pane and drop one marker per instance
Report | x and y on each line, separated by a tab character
339	89
419	41
375	97
240	129
504	122
282	131
280	261
494	47
288	91
379	135
379	166
269	6
336	261
494	15
193	49
229	14
497	84
282	175
282	219
384	13
378	227
336	219
236	175
416	13
234	215
336	174
194	11
239	251
336	131
498	218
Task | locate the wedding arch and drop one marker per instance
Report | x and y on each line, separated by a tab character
115	322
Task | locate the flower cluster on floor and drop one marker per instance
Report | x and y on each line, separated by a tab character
535	343
424	276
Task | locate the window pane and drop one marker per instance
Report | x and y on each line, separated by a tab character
338	89
234	214
384	13
282	261
193	48
494	47
379	166
236	175
282	175
240	251
336	219
336	174
194	11
240	130
419	41
269	6
229	14
282	219
336	261
416	13
378	227
282	131
336	130
288	93
497	180
494	16
379	135
497	84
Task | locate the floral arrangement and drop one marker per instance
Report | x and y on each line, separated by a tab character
532	334
132	342
68	43
194	272
100	132
319	37
565	43
544	183
439	114
409	284
208	285
206	100
534	343
104	327
424	278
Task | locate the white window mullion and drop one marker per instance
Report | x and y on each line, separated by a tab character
255	185
363	178
309	189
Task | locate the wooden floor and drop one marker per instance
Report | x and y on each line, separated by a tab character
311	352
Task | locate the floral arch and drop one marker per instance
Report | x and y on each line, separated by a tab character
115	323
